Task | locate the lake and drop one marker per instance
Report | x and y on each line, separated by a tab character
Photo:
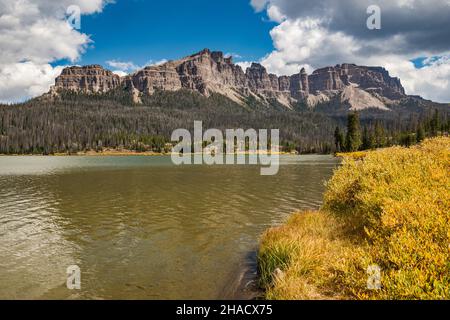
140	227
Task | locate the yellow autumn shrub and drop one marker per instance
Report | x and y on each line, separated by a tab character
303	251
390	208
399	199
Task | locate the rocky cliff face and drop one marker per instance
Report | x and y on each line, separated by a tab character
211	72
88	79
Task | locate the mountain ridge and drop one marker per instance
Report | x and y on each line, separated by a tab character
207	72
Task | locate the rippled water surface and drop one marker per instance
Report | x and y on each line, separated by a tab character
139	227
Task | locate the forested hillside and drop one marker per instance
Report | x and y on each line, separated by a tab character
75	123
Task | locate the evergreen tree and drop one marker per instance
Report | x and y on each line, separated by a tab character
367	140
353	138
339	139
380	135
435	123
420	134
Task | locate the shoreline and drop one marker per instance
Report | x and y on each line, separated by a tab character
111	153
88	154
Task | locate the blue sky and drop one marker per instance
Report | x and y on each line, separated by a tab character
139	31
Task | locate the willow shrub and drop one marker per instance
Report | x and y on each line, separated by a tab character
306	250
398	201
389	208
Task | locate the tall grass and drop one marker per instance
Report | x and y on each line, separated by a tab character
389	208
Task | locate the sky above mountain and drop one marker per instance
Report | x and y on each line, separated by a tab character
36	40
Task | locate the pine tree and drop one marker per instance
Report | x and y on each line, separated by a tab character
367	140
353	139
420	134
435	123
339	139
380	135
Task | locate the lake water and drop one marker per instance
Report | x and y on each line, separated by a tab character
140	227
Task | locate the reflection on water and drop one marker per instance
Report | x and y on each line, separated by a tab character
138	227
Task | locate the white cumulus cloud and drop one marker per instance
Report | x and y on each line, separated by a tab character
314	34
33	34
26	79
123	68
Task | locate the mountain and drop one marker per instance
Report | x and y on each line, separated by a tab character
208	72
92	109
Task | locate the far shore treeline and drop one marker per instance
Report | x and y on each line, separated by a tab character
84	123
